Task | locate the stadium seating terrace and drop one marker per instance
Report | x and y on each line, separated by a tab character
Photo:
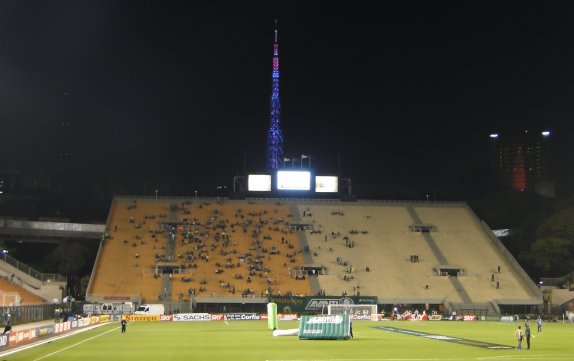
380	237
400	252
217	250
8	291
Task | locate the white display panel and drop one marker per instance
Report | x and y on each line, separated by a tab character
326	184
293	180
259	183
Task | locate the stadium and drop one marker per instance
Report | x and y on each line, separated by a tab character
289	265
219	259
400	270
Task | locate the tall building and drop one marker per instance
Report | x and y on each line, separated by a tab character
275	135
521	160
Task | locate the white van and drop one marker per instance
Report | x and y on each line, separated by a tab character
150	309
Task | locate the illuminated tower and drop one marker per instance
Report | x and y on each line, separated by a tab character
275	136
521	160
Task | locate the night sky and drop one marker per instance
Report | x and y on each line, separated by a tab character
176	95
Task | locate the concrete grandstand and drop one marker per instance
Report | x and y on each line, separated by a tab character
220	250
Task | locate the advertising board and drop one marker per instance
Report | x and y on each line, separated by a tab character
259	183
193	317
333	327
326	184
294	180
242	316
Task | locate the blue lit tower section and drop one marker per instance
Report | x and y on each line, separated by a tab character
275	136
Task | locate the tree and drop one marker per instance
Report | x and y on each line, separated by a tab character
552	251
552	256
68	258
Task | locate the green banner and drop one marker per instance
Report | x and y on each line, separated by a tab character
317	304
333	327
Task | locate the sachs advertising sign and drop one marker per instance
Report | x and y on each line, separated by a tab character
192	317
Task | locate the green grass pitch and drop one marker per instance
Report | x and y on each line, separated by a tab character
251	340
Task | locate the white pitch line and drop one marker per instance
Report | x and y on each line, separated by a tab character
76	344
513	357
372	359
529	357
51	339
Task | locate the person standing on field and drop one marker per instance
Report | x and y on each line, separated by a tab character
124	324
351	329
539	324
527	334
519	335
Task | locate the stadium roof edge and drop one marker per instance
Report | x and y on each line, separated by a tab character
291	200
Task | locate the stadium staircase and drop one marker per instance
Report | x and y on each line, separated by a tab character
440	257
172	218
307	257
438	254
29	285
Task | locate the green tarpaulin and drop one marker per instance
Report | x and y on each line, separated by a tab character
331	327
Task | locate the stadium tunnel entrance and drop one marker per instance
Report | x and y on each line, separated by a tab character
449	270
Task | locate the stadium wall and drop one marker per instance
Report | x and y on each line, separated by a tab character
528	282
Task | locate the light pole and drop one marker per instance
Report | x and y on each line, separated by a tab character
196	195
221	190
427	198
156	194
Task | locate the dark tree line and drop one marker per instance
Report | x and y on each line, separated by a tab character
542	238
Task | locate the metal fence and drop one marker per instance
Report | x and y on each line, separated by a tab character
53	226
16	315
32	272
